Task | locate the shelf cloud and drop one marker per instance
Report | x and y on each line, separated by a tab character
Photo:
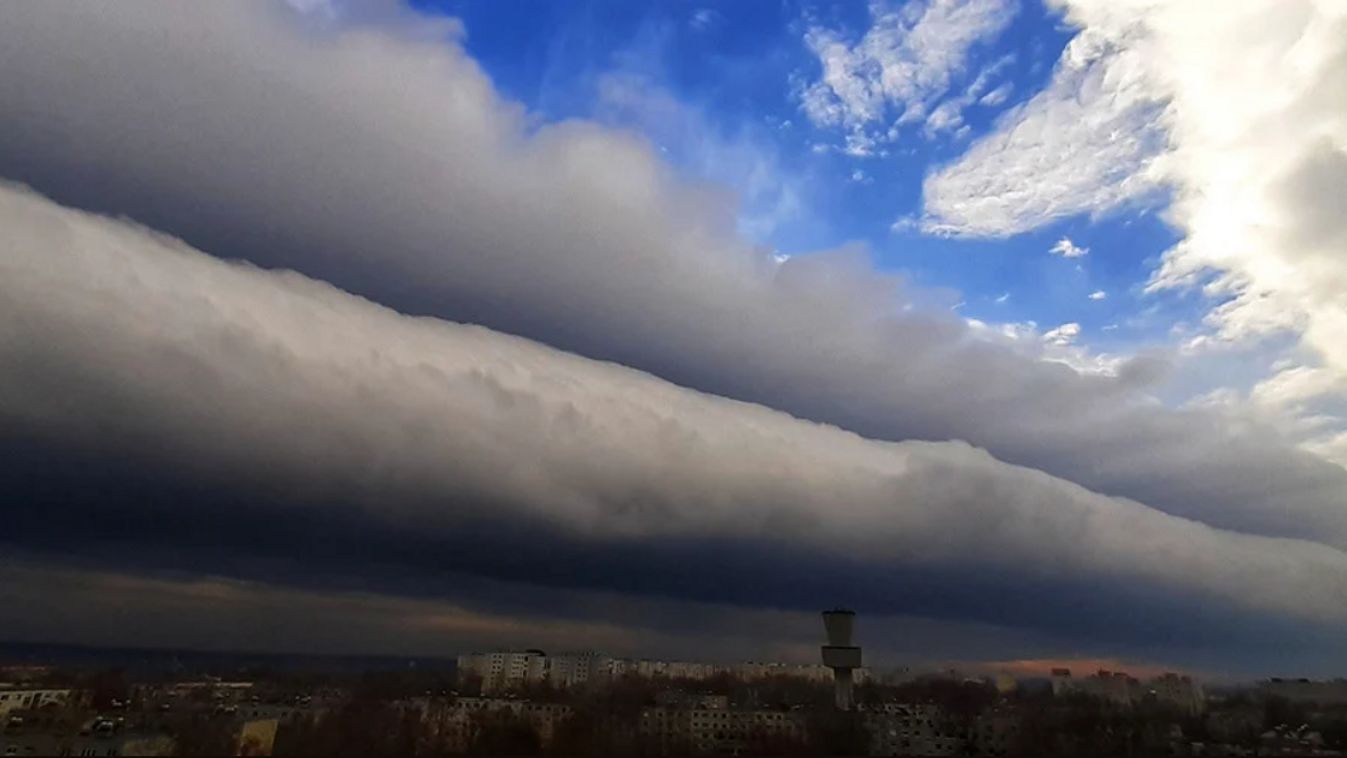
372	442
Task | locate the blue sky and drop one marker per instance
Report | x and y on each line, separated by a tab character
727	78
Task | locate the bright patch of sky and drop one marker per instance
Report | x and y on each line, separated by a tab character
1008	156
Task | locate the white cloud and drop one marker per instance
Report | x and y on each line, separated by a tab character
1310	406
1068	249
1301	404
1098	295
1085	144
947	116
1259	126
1239	111
989	73
202	365
1063	335
903	64
1003	297
703	19
997	96
1057	345
905	224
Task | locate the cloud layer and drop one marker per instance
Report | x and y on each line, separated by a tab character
145	386
450	443
276	139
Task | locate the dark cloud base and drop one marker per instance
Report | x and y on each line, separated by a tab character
104	512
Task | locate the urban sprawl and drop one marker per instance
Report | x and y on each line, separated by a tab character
529	702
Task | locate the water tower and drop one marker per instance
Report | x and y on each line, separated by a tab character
839	654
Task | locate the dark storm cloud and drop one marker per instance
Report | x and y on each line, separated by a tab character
129	515
388	165
87	605
164	409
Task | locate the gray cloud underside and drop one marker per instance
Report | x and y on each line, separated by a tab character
300	408
74	604
387	164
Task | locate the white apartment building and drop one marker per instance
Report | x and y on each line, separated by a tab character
506	670
577	669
